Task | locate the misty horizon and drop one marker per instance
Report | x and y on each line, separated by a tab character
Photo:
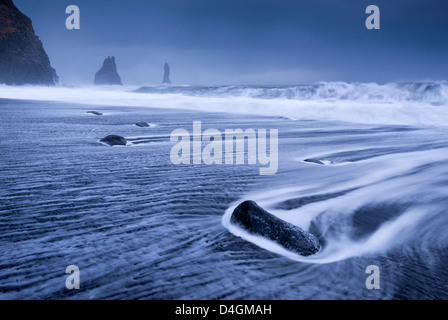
244	43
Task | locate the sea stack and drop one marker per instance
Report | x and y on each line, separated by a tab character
108	74
166	74
23	59
254	219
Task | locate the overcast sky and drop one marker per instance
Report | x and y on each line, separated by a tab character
270	42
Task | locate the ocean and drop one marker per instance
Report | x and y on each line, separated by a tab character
140	227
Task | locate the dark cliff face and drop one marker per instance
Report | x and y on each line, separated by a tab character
23	59
108	74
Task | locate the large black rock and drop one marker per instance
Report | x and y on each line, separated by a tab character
23	59
108	74
254	219
114	140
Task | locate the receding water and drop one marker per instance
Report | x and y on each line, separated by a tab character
140	227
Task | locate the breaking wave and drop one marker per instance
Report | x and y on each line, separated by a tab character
371	103
430	92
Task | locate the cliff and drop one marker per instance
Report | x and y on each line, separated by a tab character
23	59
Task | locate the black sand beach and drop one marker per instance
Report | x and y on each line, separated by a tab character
140	227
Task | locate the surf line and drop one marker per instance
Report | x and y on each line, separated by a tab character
217	142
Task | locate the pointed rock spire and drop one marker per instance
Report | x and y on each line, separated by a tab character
166	75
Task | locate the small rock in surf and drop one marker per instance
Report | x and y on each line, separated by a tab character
142	124
254	219
114	140
95	113
314	161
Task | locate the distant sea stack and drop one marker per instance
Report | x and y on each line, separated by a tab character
108	74
166	74
23	59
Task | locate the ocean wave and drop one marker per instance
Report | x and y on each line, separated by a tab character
371	103
428	92
379	211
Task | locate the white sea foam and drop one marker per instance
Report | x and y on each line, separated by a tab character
383	179
401	104
388	235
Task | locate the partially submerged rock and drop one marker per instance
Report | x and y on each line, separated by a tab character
254	219
95	113
114	140
314	161
142	124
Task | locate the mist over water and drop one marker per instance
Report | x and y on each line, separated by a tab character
140	227
393	103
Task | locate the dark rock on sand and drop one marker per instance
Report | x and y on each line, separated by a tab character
254	219
166	74
314	161
23	59
142	124
95	113
114	140
108	74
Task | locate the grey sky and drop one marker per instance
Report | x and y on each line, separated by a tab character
245	41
